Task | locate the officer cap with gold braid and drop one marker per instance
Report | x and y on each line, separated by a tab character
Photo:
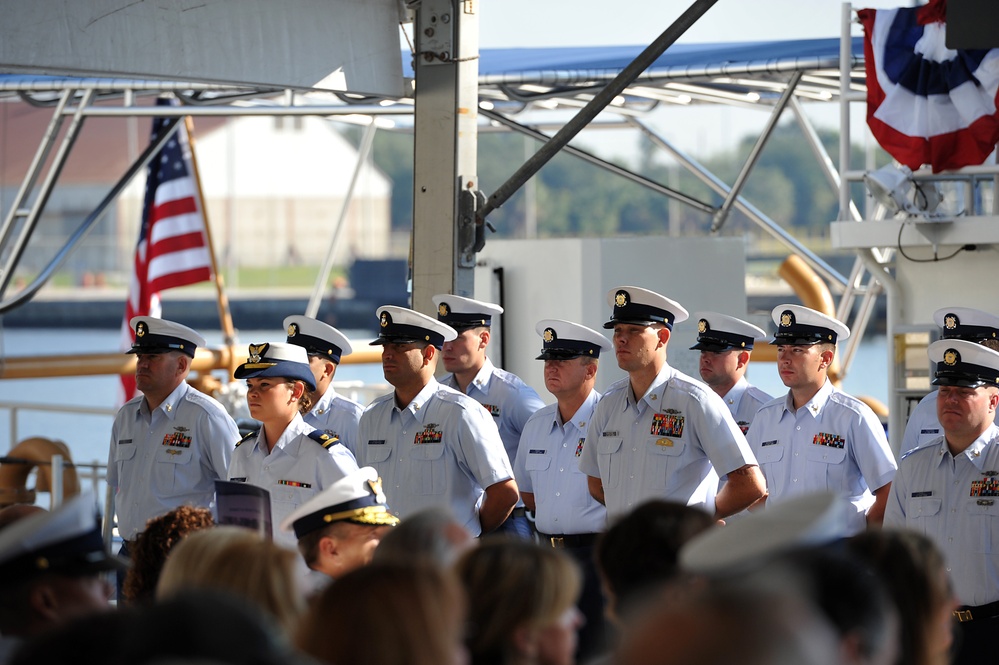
964	364
277	359
562	340
641	307
154	335
966	323
720	332
317	338
355	498
802	326
398	325
461	313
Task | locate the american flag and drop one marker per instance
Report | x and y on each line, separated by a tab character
172	249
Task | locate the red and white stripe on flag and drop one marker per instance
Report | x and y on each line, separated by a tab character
172	249
927	104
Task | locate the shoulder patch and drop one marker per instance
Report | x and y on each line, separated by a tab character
323	439
249	435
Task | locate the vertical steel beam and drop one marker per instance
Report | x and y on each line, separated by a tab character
445	116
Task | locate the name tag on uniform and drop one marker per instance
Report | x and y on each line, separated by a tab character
535	452
930	431
238	480
124	441
608	434
916	495
769	443
376	442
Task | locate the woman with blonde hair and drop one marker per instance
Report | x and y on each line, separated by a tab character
522	603
387	614
289	458
240	562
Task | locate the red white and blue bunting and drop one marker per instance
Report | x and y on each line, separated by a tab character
927	104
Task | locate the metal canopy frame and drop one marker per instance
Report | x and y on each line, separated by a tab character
519	101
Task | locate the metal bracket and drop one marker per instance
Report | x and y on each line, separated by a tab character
435	25
471	229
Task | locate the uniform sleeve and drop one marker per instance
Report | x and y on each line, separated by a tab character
335	465
237	465
718	435
873	454
520	463
526	406
895	508
218	439
588	458
480	450
112	468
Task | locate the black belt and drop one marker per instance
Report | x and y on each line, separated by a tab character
569	539
969	613
519	512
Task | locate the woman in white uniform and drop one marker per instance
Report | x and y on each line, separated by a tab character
289	458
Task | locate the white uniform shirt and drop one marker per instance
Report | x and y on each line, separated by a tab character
833	443
441	449
167	458
670	444
743	401
295	470
506	397
954	501
547	465
337	416
923	425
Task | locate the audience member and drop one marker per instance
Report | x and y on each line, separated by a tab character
238	561
639	553
431	535
154	544
914	573
51	566
522	603
339	528
205	627
387	614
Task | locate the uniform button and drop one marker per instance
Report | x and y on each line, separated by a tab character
798	428
558	494
794	480
796	453
631	478
561	469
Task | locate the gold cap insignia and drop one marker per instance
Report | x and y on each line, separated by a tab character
376	489
443	309
549	335
256	351
952	357
786	319
141	328
621	299
292	329
702	326
384	320
951	321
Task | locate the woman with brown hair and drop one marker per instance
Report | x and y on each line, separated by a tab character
387	614
913	571
155	543
522	603
289	458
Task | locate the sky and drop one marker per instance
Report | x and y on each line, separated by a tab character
701	130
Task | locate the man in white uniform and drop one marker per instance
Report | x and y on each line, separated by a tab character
817	438
547	463
508	399
660	433
949	489
965	323
170	444
432	445
331	413
726	344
